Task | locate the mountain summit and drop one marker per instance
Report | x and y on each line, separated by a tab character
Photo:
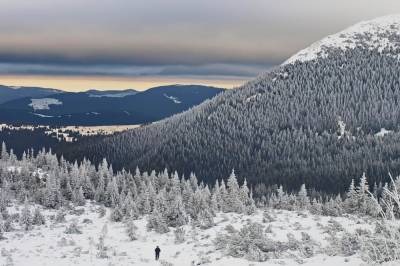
378	34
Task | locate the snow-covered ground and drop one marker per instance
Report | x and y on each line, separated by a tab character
44	103
383	132
41	115
50	245
94	130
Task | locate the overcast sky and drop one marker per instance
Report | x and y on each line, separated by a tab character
84	44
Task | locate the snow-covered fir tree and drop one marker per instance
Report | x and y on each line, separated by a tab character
26	217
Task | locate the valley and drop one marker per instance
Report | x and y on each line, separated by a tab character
102	108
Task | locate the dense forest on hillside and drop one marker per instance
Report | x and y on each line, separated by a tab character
310	122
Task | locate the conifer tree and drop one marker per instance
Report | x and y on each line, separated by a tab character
2	229
52	197
365	204
79	198
99	193
351	201
25	219
4	154
112	194
131	230
233	202
316	207
157	220
38	217
303	200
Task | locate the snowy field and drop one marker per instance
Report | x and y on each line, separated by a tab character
44	103
50	245
63	133
94	130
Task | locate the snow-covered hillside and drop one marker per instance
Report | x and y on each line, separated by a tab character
59	242
381	33
56	213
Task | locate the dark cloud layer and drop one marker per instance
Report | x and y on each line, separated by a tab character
174	37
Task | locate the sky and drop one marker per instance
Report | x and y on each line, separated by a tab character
77	45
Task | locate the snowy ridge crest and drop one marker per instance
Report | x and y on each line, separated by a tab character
381	33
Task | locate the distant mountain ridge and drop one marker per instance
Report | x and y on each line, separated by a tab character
95	107
111	93
9	93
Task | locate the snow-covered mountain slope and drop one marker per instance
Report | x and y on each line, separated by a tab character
283	126
382	33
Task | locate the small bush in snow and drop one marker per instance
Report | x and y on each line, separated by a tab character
15	217
78	212
1	230
60	217
179	235
345	245
381	246
165	263
249	242
293	243
73	229
253	244
350	244
102	249
230	229
8	225
102	211
267	217
131	230
5	214
333	227
38	217
77	251
268	229
87	221
307	246
116	215
203	259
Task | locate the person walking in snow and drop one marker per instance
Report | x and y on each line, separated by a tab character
157	250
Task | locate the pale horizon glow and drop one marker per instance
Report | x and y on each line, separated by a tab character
79	83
